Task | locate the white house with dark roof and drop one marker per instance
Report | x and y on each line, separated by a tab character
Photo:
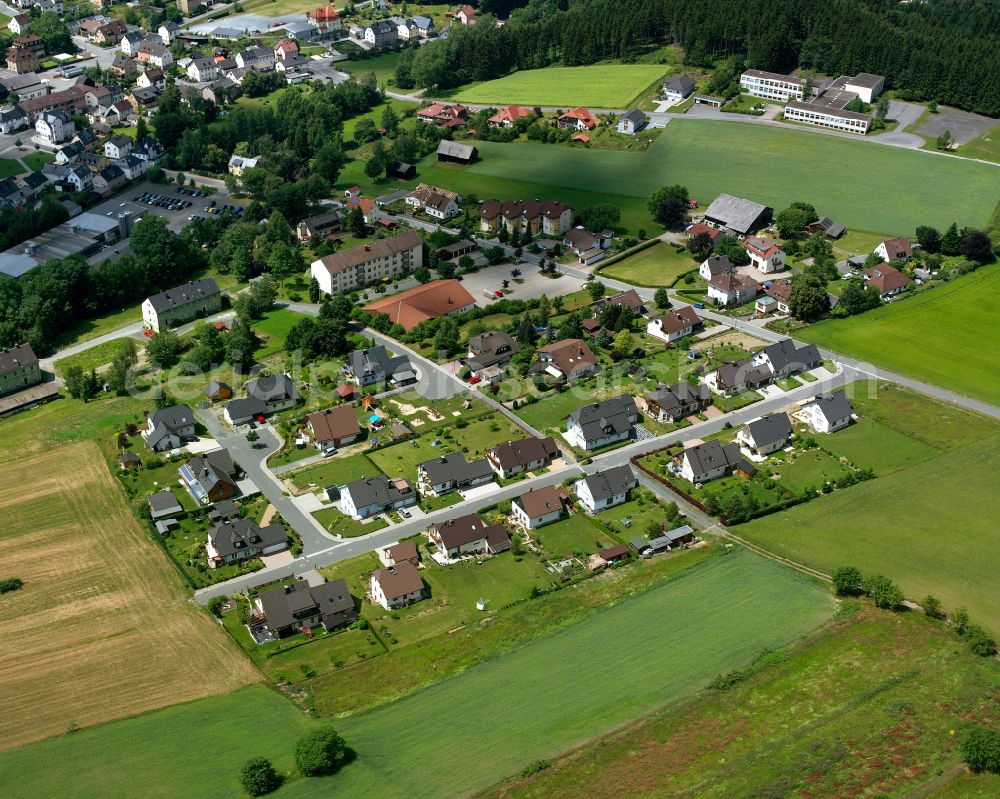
169	428
709	461
241	539
631	122
765	254
370	496
605	489
674	325
182	304
451	472
524	455
828	413
600	424
678	87
765	435
715	265
784	359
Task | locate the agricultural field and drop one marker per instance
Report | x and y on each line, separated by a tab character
99	605
953	355
659	265
711	157
926	521
604	86
734	607
863	708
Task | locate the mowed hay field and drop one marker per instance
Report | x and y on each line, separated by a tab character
946	336
606	86
842	178
102	628
492	720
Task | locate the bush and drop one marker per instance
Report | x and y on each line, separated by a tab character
979	642
215	605
258	776
981	749
886	594
10	584
932	606
320	751
847	581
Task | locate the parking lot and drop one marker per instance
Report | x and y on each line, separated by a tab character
531	283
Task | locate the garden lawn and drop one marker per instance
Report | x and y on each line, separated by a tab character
659	265
36	161
871	445
10	167
539	700
944	336
577	535
550	413
272	328
810	469
340	524
768	165
383	66
603	86
335	471
92	358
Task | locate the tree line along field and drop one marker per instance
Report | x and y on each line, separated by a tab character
533	702
863	708
929	519
844	179
605	86
102	628
945	336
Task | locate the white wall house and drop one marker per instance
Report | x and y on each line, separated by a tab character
828	413
765	254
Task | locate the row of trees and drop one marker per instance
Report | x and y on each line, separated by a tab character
319	752
928	50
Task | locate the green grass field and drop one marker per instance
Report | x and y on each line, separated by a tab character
604	86
272	328
9	168
36	161
943	336
927	521
659	265
537	700
383	66
771	166
862	709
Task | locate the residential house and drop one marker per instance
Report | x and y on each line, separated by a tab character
67	154
508	115
700	227
451	472
374	366
285	47
221	91
242	539
210	477
512	458
893	250
18	369
568	359
551	218
674	325
242	411
81	178
456	153
168	31
888	280
678	87
202	70
578	118
600	424
12	118
319	226
731	288
631	122
326	19
589	246
147	150
437	203
131	167
154	53
152	78
108	179
19	24
129	43
277	392
381	33
466	15
370	496
182	304
670	404
335	426
780	291
118	146
30	42
828	413
492	349
765	435
366	264
466	536
736	216
163	504
55	126
169	428
21	61
397	586
629	299
144	99
734	377
709	461
429	301
400	552
255	57
765	255
110	33
715	265
539	506
420	26
287	609
602	490
784	359
825	225
238	164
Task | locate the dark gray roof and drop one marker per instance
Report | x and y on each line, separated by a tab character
454	468
376	361
834	406
242	408
635	116
718	265
283	606
611	482
378	490
674	399
455	150
679	83
274	388
711	455
737	373
214	386
770	429
182	295
600	419
491	348
164	501
462	530
16	357
229	538
173	418
736	213
523	451
784	355
678	533
211	469
326	219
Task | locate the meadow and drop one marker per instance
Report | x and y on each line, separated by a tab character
944	336
927	521
102	628
659	265
604	86
861	709
538	700
771	166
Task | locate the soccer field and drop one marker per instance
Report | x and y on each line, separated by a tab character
946	336
539	700
605	86
844	179
102	628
